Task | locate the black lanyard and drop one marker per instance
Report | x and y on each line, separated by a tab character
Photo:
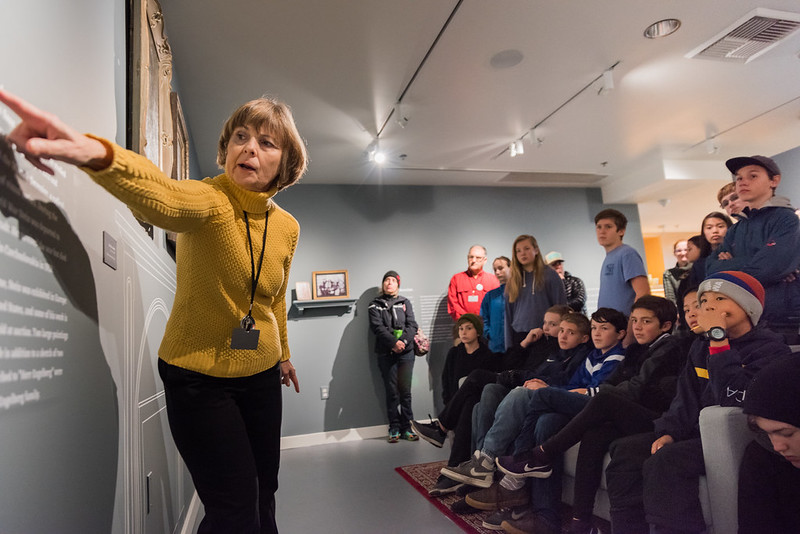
248	322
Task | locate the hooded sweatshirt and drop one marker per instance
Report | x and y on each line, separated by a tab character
765	244
717	379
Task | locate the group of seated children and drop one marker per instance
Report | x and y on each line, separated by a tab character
641	403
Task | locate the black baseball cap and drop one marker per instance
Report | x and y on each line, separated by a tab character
734	164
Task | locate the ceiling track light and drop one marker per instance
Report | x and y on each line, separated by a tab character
400	115
516	148
608	82
537	136
375	154
712	147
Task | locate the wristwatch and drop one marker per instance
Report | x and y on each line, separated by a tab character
716	333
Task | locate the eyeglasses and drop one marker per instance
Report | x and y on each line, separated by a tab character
725	202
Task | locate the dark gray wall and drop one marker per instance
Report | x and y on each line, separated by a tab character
424	234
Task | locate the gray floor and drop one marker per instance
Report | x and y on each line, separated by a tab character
352	487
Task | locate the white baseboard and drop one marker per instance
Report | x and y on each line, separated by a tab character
336	436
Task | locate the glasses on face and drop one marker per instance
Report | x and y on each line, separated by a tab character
726	202
476	257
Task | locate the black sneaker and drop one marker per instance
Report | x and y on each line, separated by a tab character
461	507
495	520
430	432
524	465
444	486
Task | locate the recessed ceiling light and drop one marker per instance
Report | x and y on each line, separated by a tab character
506	59
662	28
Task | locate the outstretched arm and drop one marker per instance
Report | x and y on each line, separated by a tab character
42	135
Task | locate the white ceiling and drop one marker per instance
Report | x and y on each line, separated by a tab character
343	65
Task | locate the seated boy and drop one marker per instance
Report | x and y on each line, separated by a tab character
514	408
769	478
653	477
525	361
765	243
638	392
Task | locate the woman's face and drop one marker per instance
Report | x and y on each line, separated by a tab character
526	253
714	231
690	309
467	333
692	252
253	158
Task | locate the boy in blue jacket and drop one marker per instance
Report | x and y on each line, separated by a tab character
653	477
765	243
515	407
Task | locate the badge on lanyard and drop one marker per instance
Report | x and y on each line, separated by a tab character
246	337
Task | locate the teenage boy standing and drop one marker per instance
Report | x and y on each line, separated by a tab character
765	243
653	477
623	278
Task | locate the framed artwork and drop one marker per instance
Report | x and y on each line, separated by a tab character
150	129
330	284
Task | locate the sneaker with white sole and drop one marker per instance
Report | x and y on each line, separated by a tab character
477	471
496	497
444	486
495	520
525	465
430	432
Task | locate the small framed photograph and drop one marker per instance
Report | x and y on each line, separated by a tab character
330	285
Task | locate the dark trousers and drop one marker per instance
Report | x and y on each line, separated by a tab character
672	487
228	432
397	370
457	413
662	489
607	417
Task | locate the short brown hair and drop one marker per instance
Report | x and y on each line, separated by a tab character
617	216
726	190
277	118
579	320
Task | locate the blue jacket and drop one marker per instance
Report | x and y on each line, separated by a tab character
765	244
493	312
721	378
596	368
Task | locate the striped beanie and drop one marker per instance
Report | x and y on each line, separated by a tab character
742	288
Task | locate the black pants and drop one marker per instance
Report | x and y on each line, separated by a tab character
457	413
397	370
228	432
662	489
607	417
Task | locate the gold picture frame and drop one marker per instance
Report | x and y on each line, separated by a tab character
330	285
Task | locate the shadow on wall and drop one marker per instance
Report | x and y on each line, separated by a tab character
352	401
378	203
441	336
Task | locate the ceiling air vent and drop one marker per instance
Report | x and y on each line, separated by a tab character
749	37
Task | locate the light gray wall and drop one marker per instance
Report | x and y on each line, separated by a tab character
424	234
82	423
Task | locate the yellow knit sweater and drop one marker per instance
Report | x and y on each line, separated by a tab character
213	263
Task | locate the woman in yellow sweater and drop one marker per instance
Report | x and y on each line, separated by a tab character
225	351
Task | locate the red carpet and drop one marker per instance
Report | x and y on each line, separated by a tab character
423	477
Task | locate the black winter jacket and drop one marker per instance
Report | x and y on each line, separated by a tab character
387	314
